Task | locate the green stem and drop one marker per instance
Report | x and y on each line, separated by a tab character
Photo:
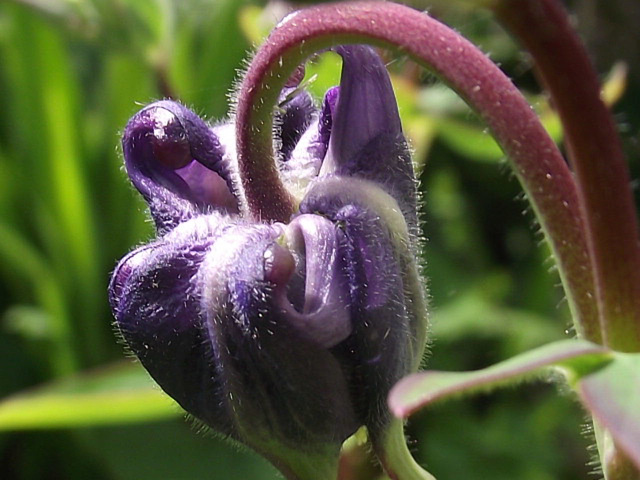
597	158
534	157
395	457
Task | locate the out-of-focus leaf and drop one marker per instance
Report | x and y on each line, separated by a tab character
471	140
475	314
615	84
28	321
21	256
47	143
69	190
6	186
575	358
612	394
127	83
418	127
171	450
439	100
322	73
118	394
67	14
252	23
421	132
23	261
205	60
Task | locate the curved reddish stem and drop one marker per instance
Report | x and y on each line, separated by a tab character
596	155
534	157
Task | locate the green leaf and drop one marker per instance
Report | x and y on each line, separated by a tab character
118	394
469	140
22	260
612	394
203	67
574	357
28	321
608	384
475	142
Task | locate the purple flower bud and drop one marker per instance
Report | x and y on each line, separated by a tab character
286	337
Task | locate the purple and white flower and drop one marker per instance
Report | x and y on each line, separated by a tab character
283	336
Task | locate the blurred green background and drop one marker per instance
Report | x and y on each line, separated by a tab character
71	74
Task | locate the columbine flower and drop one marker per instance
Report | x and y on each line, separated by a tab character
286	337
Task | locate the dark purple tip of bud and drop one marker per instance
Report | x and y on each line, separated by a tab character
361	119
366	106
177	163
169	141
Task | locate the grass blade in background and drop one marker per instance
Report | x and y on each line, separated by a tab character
117	394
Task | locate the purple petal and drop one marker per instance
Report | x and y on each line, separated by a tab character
157	308
203	310
366	104
178	164
388	309
279	374
323	315
366	135
295	114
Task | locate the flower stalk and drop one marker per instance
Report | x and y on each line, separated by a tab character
396	457
595	153
596	156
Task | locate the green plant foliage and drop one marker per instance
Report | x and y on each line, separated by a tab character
71	74
575	358
119	394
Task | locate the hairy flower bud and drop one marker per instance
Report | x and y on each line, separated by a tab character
286	337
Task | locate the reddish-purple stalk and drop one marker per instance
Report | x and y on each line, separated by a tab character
595	154
535	158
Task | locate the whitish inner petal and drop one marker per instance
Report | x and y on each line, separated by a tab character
324	314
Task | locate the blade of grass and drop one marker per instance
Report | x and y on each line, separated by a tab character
59	170
205	62
21	259
118	394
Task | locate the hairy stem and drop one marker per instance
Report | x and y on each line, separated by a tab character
395	457
596	156
534	157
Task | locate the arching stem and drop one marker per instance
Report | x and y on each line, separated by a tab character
596	155
534	157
